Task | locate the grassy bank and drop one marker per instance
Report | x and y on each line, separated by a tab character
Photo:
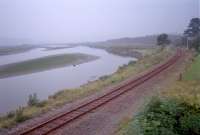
187	90
193	73
44	63
66	96
127	50
176	111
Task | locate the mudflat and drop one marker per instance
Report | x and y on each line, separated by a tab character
44	63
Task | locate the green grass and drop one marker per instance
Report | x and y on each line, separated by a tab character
193	72
69	95
44	63
187	90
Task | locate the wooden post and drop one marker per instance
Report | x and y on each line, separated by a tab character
180	77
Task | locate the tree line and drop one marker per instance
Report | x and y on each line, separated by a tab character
190	37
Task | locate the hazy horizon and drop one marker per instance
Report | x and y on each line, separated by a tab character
67	21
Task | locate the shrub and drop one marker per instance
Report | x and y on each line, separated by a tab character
41	103
10	114
19	115
169	117
104	77
190	124
33	100
132	63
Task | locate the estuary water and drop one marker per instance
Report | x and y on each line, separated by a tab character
14	91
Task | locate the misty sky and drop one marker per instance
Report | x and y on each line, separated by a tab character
92	20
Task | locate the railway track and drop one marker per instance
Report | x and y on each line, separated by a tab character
65	118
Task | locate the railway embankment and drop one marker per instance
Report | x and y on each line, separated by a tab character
68	96
174	109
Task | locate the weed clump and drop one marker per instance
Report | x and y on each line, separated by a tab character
19	115
33	100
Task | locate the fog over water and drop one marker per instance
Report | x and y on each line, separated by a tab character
50	21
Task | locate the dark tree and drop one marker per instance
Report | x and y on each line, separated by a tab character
163	40
193	28
193	33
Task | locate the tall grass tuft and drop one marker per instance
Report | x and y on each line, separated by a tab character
33	100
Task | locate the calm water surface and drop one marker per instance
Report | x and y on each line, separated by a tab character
14	91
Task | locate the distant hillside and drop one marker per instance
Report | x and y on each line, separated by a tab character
151	40
13	41
146	41
130	46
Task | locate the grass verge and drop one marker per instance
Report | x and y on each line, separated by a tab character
193	72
